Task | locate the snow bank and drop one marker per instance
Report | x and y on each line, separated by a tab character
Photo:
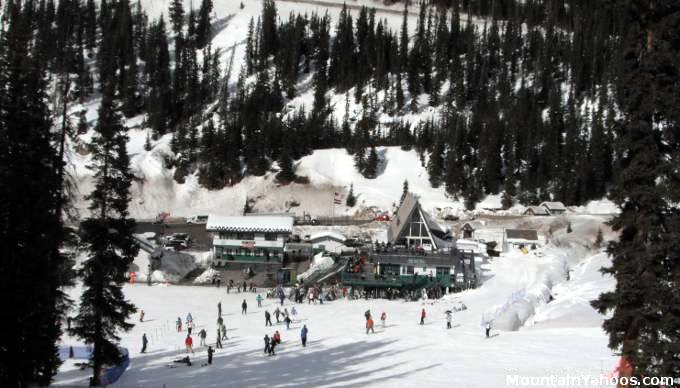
320	264
207	276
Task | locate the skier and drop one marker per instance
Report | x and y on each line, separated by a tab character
293	312
190	319
202	334
141	315
210	355
189	344
267	347
282	296
219	309
230	285
303	335
219	321
259	300
267	319
218	342
287	320
144	343
277	312
383	318
367	314
369	325
218	282
178	324
277	337
245	286
488	329
422	317
449	318
224	332
244	307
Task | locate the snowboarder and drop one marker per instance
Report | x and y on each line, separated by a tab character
488	329
449	318
178	324
202	334
369	325
184	360
259	300
277	312
244	307
189	344
219	309
141	315
210	355
267	319
303	335
422	317
144	343
218	342
267	347
287	320
383	318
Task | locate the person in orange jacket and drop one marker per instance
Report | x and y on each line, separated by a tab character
369	325
383	318
189	344
422	317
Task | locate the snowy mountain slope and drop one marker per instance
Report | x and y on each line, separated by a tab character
339	353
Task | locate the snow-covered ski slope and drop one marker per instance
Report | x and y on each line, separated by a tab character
562	337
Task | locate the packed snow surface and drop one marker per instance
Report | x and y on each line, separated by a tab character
561	337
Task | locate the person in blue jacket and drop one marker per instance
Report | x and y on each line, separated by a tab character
303	335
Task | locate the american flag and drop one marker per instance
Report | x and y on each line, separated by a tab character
337	199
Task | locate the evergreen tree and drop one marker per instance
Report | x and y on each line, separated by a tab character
644	325
107	235
371	169
33	272
286	169
404	192
351	200
435	166
204	28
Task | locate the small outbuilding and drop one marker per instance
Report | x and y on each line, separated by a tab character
554	208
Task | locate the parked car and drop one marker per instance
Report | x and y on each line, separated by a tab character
175	244
197	220
451	217
382	217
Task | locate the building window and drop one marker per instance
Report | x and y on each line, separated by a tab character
409	270
270	236
245	236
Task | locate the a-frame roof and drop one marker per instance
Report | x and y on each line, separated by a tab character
404	214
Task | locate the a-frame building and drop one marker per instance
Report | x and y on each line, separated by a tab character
412	227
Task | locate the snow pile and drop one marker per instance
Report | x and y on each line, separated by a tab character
174	267
320	264
207	276
571	306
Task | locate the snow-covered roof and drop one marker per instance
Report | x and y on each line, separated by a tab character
474	225
537	210
282	224
404	213
553	205
327	235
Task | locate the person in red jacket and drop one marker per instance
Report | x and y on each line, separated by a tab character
277	337
422	317
189	343
369	325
